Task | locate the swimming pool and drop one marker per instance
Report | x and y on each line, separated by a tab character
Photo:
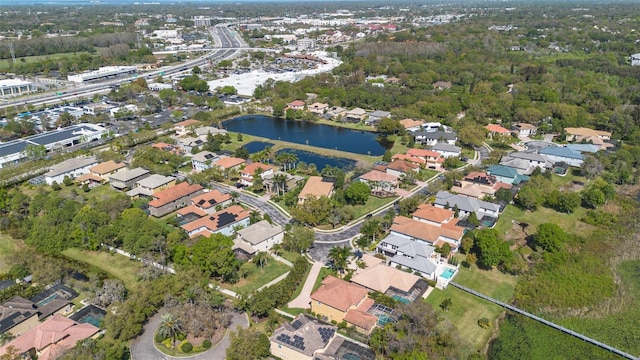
448	273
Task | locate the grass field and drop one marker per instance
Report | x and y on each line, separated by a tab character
118	266
371	204
7	248
466	309
568	222
257	276
8	63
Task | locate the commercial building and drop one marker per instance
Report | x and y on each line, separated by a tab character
15	87
102	73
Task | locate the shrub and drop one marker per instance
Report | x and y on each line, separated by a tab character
159	338
181	337
186	347
206	344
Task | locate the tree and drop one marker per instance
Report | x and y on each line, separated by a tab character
490	248
65	119
387	156
242	153
357	193
298	239
170	327
389	126
446	304
591	167
35	152
472	134
227	90
550	237
261	258
339	256
370	228
248	344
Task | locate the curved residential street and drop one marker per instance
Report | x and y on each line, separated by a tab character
142	347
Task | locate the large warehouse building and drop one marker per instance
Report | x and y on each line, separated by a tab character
102	73
15	87
14	151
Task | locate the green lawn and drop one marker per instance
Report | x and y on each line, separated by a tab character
8	63
290	255
118	266
371	204
7	247
466	309
258	276
569	222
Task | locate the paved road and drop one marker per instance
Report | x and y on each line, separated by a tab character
276	215
142	348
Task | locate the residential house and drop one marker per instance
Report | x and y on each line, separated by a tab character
229	162
338	300
584	148
524	129
525	162
51	338
221	222
395	283
260	236
92	180
433	159
302	339
164	147
185	127
434	215
556	154
635	59
211	201
401	167
173	198
375	117
206	130
318	108
435	126
126	178
355	115
506	174
586	135
341	347
203	160
315	187
404	253
416	160
106	169
71	168
431	138
412	125
478	184
187	144
497	130
291	182
428	233
447	150
442	85
249	172
55	299
336	113
380	182
17	316
296	105
466	205
151	184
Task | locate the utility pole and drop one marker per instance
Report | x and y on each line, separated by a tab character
13	53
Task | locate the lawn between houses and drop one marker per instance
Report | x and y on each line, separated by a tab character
256	276
466	309
7	248
118	266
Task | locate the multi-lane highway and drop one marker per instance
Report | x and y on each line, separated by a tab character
228	44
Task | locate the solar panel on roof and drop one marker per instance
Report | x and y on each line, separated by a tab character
296	324
226	219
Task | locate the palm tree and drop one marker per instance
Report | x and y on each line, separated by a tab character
170	327
261	258
340	255
276	249
234	196
280	180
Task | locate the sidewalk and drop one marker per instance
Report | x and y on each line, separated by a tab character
303	300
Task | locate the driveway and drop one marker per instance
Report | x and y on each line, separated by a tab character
142	347
303	300
276	215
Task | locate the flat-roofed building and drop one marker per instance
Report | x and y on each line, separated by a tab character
15	87
102	73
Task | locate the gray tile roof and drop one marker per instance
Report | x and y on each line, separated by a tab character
446	147
304	334
464	203
155	181
259	232
436	135
70	165
562	152
128	174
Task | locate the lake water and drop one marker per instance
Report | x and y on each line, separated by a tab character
309	133
320	160
256	146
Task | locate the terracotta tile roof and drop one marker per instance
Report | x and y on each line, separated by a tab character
251	168
409	123
210	199
162	146
360	318
423	153
316	187
405	157
229	162
189	122
375	176
424	231
56	333
586	132
402	166
296	103
106	167
191	209
339	294
440	243
89	176
495	128
174	193
218	219
432	213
